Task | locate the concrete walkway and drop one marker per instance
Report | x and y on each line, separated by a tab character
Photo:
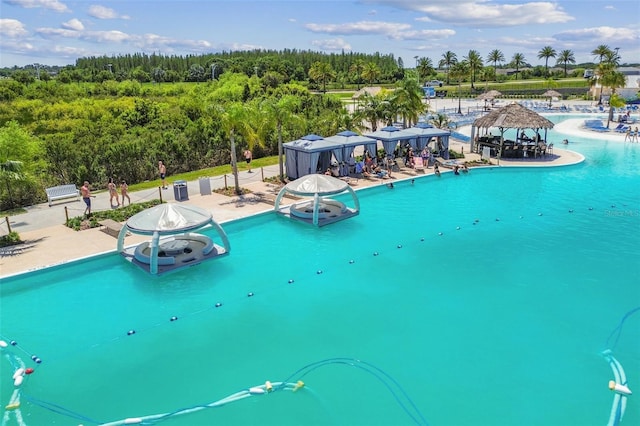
49	242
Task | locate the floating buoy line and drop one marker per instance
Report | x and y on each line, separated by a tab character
619	385
293	383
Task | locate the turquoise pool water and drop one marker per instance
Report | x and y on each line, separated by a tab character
487	297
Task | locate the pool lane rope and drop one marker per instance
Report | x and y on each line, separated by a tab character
619	385
293	383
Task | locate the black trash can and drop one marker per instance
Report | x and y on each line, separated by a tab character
180	191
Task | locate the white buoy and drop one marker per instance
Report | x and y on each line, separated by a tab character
18	372
618	388
256	391
3	344
17	381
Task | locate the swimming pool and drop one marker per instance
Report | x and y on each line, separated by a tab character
487	297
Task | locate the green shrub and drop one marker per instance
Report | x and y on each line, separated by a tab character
11	239
79	223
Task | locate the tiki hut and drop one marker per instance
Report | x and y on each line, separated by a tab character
551	94
488	96
513	116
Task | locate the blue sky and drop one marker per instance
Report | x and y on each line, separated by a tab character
57	32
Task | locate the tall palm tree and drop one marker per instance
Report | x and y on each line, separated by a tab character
372	109
474	62
448	60
611	78
371	72
459	71
356	68
566	57
234	119
425	68
600	52
407	100
281	112
322	72
495	56
517	61
546	53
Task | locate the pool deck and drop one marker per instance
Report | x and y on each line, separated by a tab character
48	242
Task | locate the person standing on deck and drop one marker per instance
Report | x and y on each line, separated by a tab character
162	169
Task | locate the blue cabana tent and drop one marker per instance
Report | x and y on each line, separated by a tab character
390	136
349	141
312	153
424	132
309	154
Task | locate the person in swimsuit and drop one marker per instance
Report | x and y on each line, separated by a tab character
86	197
124	191
113	192
248	157
162	169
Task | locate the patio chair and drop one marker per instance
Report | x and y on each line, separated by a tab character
550	148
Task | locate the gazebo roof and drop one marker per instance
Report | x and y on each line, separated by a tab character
513	116
316	184
169	218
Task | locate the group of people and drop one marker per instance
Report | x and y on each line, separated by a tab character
85	192
113	192
631	135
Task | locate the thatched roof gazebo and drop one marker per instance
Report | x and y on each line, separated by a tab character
491	94
512	116
551	94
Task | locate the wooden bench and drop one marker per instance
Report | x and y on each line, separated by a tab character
110	227
61	192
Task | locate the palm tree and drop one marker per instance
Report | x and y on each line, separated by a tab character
322	71
613	79
600	51
372	109
356	68
441	120
281	112
448	60
234	120
459	71
474	62
517	61
407	100
371	72
546	53
495	56
425	68
566	57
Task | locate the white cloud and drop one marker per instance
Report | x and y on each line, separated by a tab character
601	35
73	24
484	13
101	12
292	20
359	28
12	28
333	44
392	30
46	4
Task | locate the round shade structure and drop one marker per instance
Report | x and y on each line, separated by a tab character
165	220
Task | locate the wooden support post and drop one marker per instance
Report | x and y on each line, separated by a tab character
225	182
160	194
8	224
66	215
262	173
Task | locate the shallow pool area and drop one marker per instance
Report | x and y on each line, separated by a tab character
484	298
